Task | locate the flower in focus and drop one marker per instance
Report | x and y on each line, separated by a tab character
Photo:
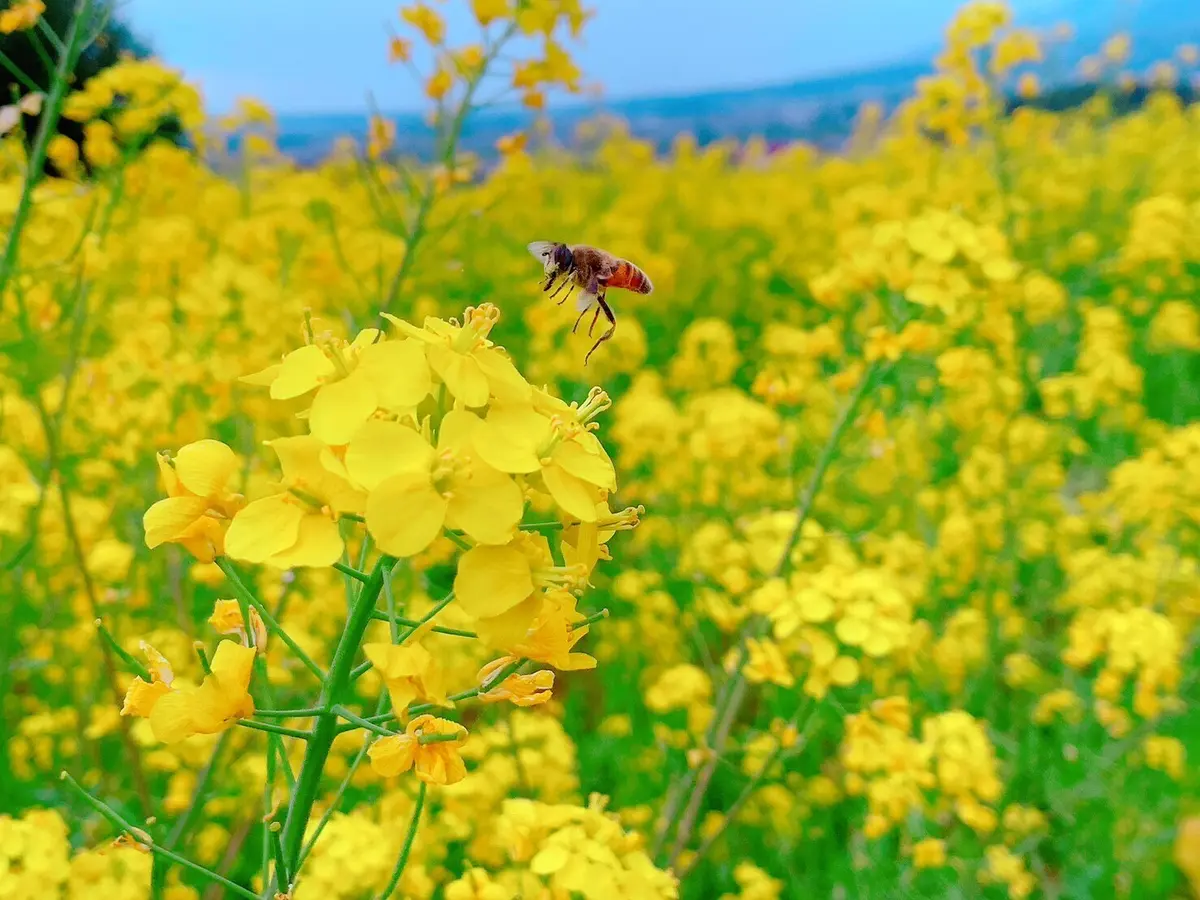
178	712
416	489
533	689
226	618
199	503
552	439
141	696
298	525
410	673
435	760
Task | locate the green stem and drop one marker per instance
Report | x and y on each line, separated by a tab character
268	790
365	667
352	572
282	877
438	738
141	835
15	71
275	729
496	679
126	657
41	142
590	620
289	713
323	734
341	788
246	596
390	597
361	722
441	604
402	861
413	624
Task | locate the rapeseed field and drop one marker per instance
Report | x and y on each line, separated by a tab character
862	562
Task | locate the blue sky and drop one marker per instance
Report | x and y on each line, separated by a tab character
303	56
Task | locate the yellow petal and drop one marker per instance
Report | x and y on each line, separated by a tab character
507	384
392	755
364	339
457	430
577	662
492	580
844	671
159	665
264	377
301	371
231	666
461	374
509	439
311	466
487	506
171	717
168	519
318	545
405	514
572	494
382	449
589	467
512	626
205	467
399	371
549	860
340	408
263	528
141	698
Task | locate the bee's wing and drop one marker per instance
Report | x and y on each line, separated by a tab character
585	301
540	249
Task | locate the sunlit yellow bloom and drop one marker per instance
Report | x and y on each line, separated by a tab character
220	700
199	501
141	696
524	440
410	673
226	618
533	689
298	525
415	489
438	762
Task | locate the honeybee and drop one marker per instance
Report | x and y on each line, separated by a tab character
593	271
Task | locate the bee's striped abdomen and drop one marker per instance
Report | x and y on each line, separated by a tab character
630	278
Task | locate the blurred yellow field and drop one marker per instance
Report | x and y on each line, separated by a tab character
863	561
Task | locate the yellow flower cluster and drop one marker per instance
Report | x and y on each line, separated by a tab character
581	850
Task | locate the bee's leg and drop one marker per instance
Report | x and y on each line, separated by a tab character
570	290
577	321
608	314
594	318
549	283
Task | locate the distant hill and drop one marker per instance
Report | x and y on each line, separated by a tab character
819	110
775	112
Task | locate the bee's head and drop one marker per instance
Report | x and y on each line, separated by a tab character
556	258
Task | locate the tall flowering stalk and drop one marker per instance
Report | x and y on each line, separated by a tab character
422	439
